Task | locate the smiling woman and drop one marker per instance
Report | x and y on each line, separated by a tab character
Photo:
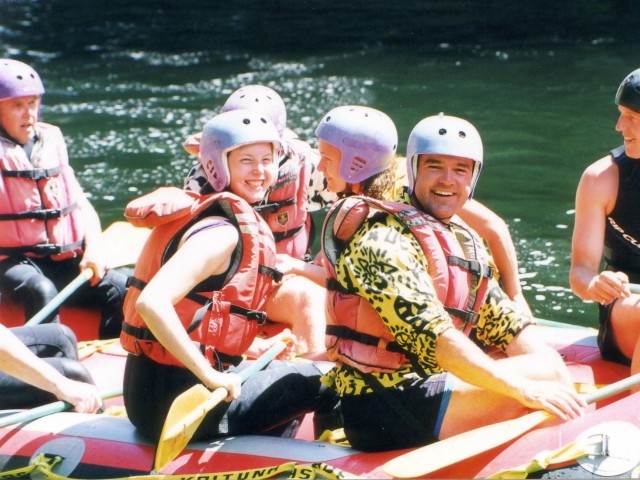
212	257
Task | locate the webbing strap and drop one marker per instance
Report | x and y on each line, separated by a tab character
268	208
42	249
346	333
42	214
35	174
44	463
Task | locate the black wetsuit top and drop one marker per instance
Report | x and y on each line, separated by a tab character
622	233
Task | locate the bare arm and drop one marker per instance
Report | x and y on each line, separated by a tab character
19	362
457	354
312	271
495	232
204	254
94	248
595	198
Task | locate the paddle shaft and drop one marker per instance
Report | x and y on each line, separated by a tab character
48	409
443	453
55	302
112	238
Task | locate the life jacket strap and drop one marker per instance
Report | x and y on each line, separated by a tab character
467	316
275	275
43	214
346	333
35	174
44	249
144	334
473	266
269	208
280	236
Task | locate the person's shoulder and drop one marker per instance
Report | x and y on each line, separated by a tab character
599	181
49	130
601	172
49	127
601	166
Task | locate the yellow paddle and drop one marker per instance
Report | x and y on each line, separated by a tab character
427	459
189	409
123	243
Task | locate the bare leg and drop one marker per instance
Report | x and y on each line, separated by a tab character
625	321
471	407
300	304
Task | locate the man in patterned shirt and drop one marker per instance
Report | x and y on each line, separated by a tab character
426	344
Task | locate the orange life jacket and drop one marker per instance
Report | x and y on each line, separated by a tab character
224	322
356	335
38	212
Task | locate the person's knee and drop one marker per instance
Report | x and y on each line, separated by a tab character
35	293
40	289
75	370
115	289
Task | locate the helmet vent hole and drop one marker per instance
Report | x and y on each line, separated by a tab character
442	131
461	134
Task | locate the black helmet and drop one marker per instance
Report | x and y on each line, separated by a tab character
629	92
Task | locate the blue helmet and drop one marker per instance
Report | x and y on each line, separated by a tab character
230	130
366	137
444	135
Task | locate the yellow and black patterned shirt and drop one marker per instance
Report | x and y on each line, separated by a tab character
384	264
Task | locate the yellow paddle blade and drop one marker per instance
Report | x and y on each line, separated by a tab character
443	453
123	243
189	409
185	416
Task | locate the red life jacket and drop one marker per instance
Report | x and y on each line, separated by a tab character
356	335
224	322
39	216
287	203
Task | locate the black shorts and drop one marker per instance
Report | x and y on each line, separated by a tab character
374	422
606	342
270	400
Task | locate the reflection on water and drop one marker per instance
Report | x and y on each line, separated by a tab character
127	84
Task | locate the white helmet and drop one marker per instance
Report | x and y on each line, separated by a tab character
444	135
366	137
262	99
230	130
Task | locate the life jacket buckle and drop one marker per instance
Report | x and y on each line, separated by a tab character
257	315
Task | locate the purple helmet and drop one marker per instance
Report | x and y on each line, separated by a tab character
262	99
366	137
230	130
444	135
18	79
